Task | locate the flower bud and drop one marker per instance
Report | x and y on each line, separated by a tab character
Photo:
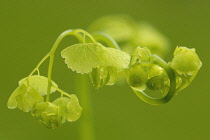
137	77
185	61
48	114
103	76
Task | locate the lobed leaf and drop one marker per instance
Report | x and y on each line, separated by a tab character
12	103
62	103
116	58
27	99
83	57
74	109
40	83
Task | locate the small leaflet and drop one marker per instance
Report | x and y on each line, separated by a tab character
74	109
62	103
27	99
12	103
40	83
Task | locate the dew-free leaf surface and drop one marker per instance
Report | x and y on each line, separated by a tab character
74	109
27	99
40	83
83	57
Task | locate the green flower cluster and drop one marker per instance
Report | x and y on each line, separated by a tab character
29	96
148	71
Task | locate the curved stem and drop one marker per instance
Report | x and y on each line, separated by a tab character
39	64
62	92
54	48
86	123
50	76
172	90
100	36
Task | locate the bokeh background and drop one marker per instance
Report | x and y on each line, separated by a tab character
28	28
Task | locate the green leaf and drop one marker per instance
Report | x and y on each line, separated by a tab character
27	99
74	109
62	103
40	83
83	57
116	58
12	103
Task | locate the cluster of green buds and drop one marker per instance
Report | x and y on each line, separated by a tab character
148	71
29	97
142	69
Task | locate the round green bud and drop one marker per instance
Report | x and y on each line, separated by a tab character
185	61
103	76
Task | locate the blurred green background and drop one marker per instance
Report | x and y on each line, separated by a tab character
30	27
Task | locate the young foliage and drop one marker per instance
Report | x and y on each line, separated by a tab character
83	57
40	83
101	58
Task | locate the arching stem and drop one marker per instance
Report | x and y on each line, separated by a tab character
54	48
103	37
172	90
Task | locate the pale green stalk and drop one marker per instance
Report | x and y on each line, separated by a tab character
103	37
86	128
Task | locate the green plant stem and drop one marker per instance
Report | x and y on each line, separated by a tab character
103	37
39	64
62	92
50	76
86	125
86	121
54	48
172	90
